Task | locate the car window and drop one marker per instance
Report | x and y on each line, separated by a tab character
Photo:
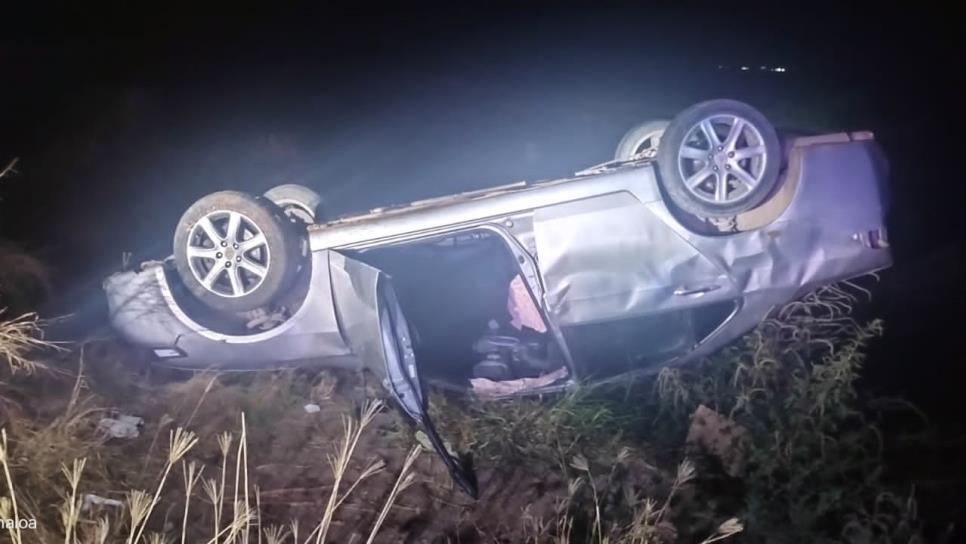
605	349
707	318
609	348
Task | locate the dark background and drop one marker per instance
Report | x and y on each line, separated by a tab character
123	115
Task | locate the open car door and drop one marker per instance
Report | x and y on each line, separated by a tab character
374	327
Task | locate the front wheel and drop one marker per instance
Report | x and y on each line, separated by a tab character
235	252
298	202
719	158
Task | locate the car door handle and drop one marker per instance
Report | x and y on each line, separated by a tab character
686	291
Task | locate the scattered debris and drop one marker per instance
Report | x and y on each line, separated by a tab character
121	427
312	408
714	434
263	320
427	444
486	388
91	500
424	441
146	265
522	309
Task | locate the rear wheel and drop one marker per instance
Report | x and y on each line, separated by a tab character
641	142
719	158
235	252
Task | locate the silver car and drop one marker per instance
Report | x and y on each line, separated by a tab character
697	228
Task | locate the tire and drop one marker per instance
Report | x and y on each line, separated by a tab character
298	202
218	269
735	173
641	141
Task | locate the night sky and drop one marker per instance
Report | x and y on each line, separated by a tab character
122	115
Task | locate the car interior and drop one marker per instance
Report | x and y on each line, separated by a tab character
455	292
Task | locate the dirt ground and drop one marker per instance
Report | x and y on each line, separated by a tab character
288	451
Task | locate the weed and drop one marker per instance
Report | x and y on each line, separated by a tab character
588	465
141	504
814	457
622	518
529	430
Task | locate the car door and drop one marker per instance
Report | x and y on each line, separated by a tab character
610	257
376	330
624	286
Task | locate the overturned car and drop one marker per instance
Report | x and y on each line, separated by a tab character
683	242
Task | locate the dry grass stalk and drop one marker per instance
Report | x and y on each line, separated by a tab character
405	479
201	400
727	529
210	489
276	534
258	514
158	538
4	460
180	441
102	530
163	422
241	520
374	468
351	431
685	474
19	337
70	511
138	504
10	168
241	466
224	445
580	463
191	474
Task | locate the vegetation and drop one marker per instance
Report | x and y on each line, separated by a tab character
801	459
811	459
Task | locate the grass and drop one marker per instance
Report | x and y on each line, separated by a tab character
141	505
45	466
813	455
547	431
600	465
20	338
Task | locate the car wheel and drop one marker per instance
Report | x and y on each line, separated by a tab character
235	252
719	158
641	142
298	202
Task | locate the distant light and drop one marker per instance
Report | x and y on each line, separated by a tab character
745	68
763	68
778	69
